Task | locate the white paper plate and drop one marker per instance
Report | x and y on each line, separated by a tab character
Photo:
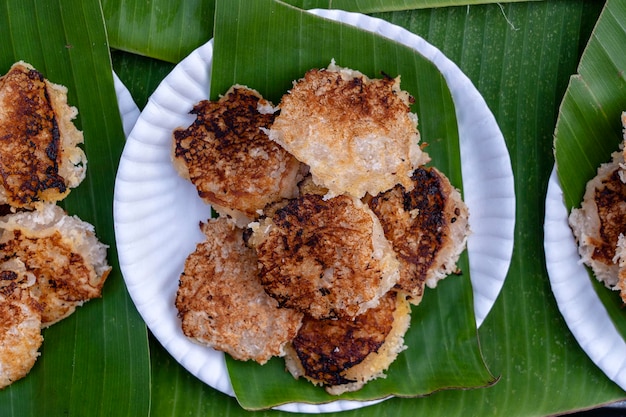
157	213
577	300
129	111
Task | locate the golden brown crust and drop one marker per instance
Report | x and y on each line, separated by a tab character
229	158
610	200
600	220
326	258
356	134
67	261
39	159
222	304
427	227
620	260
333	352
20	329
326	348
599	224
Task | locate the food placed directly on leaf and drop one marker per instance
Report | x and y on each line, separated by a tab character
322	242
356	134
50	262
327	258
222	304
600	223
229	158
40	160
344	354
61	251
20	327
427	226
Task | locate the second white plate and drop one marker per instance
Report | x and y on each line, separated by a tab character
576	298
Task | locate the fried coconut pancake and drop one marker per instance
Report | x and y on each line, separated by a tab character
427	226
229	158
345	354
356	134
600	223
222	304
325	258
61	251
39	157
20	327
600	220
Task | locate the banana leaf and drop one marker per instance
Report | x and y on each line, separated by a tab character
169	30
162	29
96	362
520	57
268	53
589	127
372	6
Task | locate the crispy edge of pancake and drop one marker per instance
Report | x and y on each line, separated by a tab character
313	252
620	260
62	251
66	158
620	250
237	177
367	367
20	333
455	238
587	225
368	146
426	256
222	304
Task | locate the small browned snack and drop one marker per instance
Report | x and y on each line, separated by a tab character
344	354
350	229
50	262
599	224
356	134
325	258
62	252
222	304
20	328
229	158
40	160
427	226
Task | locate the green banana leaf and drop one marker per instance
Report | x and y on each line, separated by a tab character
589	127
372	6
96	362
520	57
268	53
162	29
170	30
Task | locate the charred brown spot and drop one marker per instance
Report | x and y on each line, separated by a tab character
7	290
227	123
419	239
30	139
227	153
7	275
610	200
316	244
327	348
374	100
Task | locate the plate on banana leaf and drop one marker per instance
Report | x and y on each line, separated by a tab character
157	213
